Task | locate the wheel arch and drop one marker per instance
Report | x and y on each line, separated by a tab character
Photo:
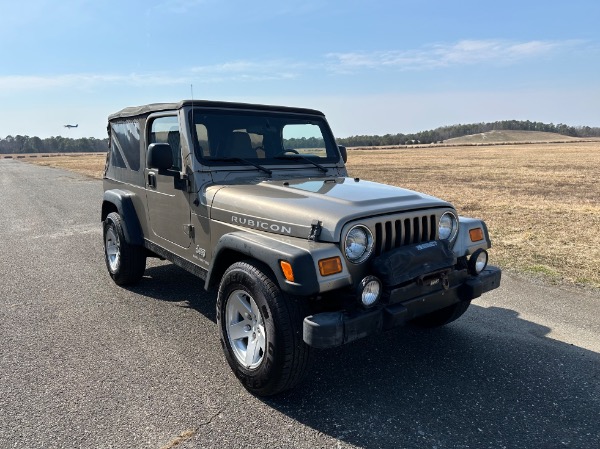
238	246
121	202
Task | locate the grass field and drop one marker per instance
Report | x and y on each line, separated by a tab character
540	201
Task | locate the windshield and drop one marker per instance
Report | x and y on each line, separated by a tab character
262	137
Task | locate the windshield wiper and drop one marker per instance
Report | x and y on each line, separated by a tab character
304	158
239	159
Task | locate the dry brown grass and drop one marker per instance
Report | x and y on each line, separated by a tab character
540	201
89	164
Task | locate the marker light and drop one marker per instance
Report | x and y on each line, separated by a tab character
286	268
329	266
476	234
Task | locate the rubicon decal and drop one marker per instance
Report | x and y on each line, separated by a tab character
261	224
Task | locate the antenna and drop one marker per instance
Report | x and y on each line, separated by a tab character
192	116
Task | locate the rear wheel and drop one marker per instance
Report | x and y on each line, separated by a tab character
125	263
443	316
261	330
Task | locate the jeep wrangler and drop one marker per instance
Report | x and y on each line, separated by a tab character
256	200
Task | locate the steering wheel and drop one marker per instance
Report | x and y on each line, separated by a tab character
288	150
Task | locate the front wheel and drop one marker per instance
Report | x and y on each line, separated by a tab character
261	330
125	263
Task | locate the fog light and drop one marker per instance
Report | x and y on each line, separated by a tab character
369	291
478	262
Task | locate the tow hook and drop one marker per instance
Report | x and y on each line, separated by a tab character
437	277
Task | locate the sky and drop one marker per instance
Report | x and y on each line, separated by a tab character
373	67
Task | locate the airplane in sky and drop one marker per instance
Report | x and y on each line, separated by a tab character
71	126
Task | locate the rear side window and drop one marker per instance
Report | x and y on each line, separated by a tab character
166	130
125	144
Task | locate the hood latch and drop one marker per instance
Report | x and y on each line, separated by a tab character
315	230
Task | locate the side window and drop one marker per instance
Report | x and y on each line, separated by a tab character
166	130
125	145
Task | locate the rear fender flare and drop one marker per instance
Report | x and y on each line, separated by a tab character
122	201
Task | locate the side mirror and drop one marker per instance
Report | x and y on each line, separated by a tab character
343	152
160	156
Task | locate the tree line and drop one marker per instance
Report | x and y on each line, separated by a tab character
25	144
448	132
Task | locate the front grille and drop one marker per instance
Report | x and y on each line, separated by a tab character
402	231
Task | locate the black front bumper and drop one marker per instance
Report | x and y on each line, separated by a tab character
330	329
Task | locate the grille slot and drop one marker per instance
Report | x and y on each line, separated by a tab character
402	231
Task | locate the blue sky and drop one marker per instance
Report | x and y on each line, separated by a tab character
373	67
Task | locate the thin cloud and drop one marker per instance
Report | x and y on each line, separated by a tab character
30	82
248	71
238	71
447	55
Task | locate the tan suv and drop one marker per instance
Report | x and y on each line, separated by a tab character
256	200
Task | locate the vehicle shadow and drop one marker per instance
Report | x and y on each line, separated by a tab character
168	282
490	379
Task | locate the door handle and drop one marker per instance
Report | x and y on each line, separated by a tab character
152	180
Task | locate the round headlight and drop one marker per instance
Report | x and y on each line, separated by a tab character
448	226
358	244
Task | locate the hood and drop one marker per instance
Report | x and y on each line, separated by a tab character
290	207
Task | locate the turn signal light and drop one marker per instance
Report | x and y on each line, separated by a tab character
330	266
476	234
286	268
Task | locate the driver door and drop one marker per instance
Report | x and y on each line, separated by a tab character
167	197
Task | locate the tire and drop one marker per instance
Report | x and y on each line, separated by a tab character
260	329
443	316
125	263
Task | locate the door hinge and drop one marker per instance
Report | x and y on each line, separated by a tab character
188	229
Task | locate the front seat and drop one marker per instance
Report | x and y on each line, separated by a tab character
239	145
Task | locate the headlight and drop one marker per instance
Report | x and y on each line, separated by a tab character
448	226
358	244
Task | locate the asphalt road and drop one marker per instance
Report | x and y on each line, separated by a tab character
85	363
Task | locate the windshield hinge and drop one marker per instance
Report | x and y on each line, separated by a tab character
315	230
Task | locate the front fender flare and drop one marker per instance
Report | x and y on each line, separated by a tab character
269	251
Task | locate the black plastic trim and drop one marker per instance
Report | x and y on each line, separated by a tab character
122	200
177	260
270	251
330	329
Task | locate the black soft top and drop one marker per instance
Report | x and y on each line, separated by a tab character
158	107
